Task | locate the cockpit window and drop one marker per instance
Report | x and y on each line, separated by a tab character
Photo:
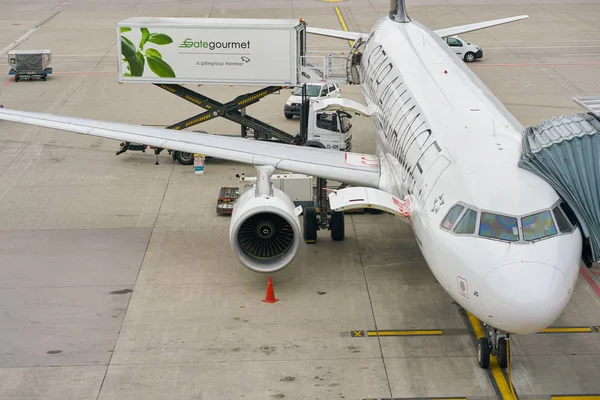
498	227
538	226
467	223
569	213
561	220
452	216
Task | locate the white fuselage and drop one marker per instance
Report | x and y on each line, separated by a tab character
444	138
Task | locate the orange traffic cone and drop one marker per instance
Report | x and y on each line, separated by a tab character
270	298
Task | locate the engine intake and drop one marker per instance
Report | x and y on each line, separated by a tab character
265	236
265	231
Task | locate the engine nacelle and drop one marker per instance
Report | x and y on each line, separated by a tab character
265	230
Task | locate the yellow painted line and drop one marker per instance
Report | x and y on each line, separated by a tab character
343	23
561	330
503	385
426	332
496	371
573	397
476	325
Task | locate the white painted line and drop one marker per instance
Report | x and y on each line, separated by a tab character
27	34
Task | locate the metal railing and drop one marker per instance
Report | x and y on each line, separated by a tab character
329	67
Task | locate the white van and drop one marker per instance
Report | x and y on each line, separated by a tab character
465	50
313	91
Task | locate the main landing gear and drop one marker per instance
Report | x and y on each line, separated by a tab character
324	218
494	343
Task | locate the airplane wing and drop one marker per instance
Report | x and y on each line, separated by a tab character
352	168
337	34
457	30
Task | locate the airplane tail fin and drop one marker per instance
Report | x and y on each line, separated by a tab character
398	11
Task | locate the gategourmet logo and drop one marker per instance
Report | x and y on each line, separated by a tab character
188	43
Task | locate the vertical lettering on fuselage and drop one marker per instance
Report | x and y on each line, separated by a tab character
400	122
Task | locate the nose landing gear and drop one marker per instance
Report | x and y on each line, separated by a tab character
494	343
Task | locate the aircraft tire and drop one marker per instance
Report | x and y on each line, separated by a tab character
483	352
502	355
184	158
310	225
337	225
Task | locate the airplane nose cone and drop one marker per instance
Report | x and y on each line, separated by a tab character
524	297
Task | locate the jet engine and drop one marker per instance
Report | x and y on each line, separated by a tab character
265	231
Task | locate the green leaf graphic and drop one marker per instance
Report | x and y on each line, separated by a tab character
126	74
134	59
145	36
160	68
127	48
160	38
123	30
140	57
153	53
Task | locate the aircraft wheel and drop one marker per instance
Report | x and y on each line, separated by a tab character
502	351
184	158
483	352
470	57
337	225
310	225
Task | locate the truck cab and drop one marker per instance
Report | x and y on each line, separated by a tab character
329	123
329	130
465	50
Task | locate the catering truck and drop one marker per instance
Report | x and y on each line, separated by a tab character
211	50
270	53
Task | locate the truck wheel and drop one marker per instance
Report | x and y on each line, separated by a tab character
337	225
184	158
310	225
289	116
470	56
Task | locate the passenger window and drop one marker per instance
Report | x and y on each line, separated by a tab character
467	223
452	216
538	226
498	227
561	219
325	91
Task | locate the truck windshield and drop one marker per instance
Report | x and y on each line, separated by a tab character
311	90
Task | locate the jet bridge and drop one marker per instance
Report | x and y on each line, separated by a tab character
565	151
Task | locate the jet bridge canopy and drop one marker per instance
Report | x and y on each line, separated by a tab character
565	151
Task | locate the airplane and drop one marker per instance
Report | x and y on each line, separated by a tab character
497	238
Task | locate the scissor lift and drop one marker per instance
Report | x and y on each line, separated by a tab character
234	110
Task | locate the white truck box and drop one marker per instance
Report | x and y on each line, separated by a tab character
210	50
298	186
